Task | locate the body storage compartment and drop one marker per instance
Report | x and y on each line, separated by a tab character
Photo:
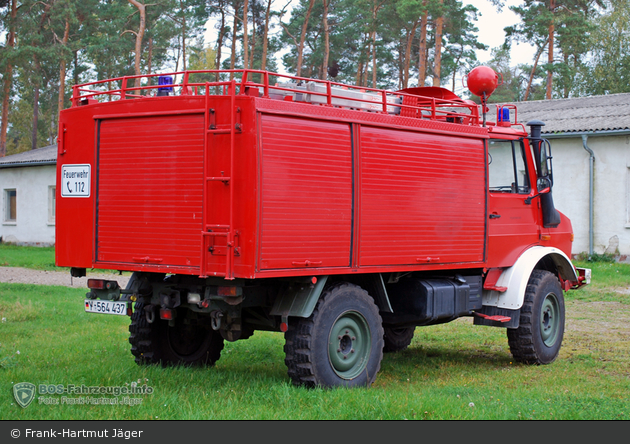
309	190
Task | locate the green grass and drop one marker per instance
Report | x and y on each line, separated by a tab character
451	371
47	338
608	279
39	258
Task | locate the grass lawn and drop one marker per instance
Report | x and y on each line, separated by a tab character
451	371
38	258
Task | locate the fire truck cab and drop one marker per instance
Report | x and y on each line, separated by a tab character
344	217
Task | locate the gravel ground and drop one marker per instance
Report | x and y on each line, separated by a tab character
62	278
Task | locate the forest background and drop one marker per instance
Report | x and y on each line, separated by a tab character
580	47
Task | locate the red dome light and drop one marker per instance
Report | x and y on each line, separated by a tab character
482	79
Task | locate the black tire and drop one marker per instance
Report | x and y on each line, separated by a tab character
538	338
397	339
143	337
185	343
340	344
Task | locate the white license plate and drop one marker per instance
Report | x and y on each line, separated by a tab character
106	307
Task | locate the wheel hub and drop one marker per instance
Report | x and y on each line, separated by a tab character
549	320
349	345
185	340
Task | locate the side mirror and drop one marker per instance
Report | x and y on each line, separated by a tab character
544	187
543	184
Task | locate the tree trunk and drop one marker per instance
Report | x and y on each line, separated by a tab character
35	117
376	7
300	54
400	65
263	62
407	61
179	53
245	36
422	52
533	71
233	56
357	80
459	57
220	37
35	102
139	36
437	63
148	92
252	45
8	75
566	84
75	71
552	6
62	70
150	57
326	40
181	5
366	65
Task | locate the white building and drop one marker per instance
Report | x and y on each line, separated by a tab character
590	145
27	184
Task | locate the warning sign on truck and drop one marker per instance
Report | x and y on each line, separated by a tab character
75	180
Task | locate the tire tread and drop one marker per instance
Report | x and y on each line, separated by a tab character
298	341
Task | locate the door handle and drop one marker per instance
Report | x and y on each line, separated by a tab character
306	263
494	216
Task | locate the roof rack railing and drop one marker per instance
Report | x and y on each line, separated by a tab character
284	87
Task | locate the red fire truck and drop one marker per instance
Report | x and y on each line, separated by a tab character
343	217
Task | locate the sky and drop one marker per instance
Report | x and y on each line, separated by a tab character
490	24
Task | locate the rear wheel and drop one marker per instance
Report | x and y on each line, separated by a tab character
397	339
340	344
538	338
189	342
143	337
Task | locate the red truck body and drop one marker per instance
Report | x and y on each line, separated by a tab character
262	182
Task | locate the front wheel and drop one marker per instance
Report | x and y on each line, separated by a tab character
340	344
538	338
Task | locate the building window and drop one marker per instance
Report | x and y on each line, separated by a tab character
51	204
10	205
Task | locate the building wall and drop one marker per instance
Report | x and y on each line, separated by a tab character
611	215
34	223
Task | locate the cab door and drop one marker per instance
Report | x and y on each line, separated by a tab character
513	221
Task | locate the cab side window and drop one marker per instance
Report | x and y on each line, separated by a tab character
507	170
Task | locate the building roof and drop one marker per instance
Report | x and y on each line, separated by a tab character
41	156
582	114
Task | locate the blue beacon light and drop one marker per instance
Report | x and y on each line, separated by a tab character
165	90
504	115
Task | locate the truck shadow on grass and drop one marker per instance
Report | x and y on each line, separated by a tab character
436	356
257	361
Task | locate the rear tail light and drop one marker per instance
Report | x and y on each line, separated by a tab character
166	313
229	291
102	284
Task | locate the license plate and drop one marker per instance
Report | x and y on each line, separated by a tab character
106	307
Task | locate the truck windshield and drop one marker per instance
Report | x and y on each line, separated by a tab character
507	169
